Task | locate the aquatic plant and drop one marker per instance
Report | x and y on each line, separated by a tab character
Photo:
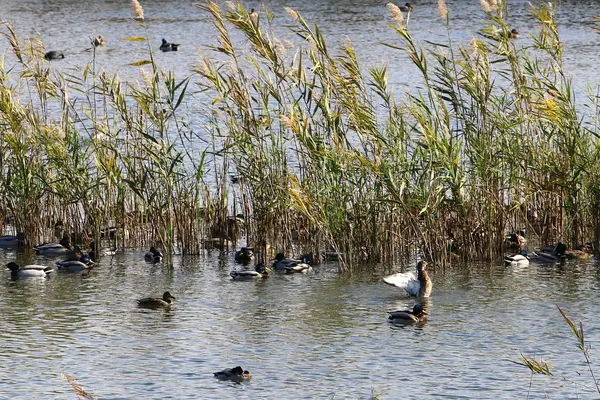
79	391
325	157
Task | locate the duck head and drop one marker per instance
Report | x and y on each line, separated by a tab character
279	257
422	265
237	370
13	266
168	297
418	310
560	249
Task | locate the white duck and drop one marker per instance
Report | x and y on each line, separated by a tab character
416	283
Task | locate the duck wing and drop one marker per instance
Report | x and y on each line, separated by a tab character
72	265
244	274
405	280
35	270
406	315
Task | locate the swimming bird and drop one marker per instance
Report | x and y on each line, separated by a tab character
83	264
516	240
406	8
166	46
39	271
244	255
514	34
98	41
155	302
63	247
153	255
517	259
237	374
260	271
552	254
416	283
289	265
10	241
54	55
407	316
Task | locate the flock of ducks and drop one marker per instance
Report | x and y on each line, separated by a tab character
99	41
415	283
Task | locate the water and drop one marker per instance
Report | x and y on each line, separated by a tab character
312	336
317	336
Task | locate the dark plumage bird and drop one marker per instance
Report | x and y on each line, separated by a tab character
153	255
407	316
166	46
54	55
244	255
406	8
155	302
237	374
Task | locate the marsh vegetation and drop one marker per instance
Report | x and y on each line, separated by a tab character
325	156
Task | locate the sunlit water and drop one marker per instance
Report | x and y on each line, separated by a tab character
315	336
302	336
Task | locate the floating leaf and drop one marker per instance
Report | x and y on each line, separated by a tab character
135	39
140	63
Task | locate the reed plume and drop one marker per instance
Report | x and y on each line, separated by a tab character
138	11
396	14
442	9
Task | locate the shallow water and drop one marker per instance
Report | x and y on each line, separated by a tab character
316	336
312	336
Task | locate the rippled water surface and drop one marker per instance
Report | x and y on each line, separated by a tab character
315	336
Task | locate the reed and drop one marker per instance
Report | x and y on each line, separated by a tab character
326	158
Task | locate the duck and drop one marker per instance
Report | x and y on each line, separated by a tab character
11	241
98	41
260	271
63	247
516	240
290	266
406	8
244	255
513	34
416	284
54	55
166	46
552	254
40	271
155	302
517	259
237	374
407	316
153	255
83	264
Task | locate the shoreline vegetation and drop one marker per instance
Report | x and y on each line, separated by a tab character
325	156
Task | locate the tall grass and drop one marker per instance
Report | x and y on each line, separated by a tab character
327	157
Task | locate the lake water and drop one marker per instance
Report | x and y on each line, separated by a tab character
302	337
316	336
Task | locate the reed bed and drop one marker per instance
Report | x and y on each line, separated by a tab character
325	157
